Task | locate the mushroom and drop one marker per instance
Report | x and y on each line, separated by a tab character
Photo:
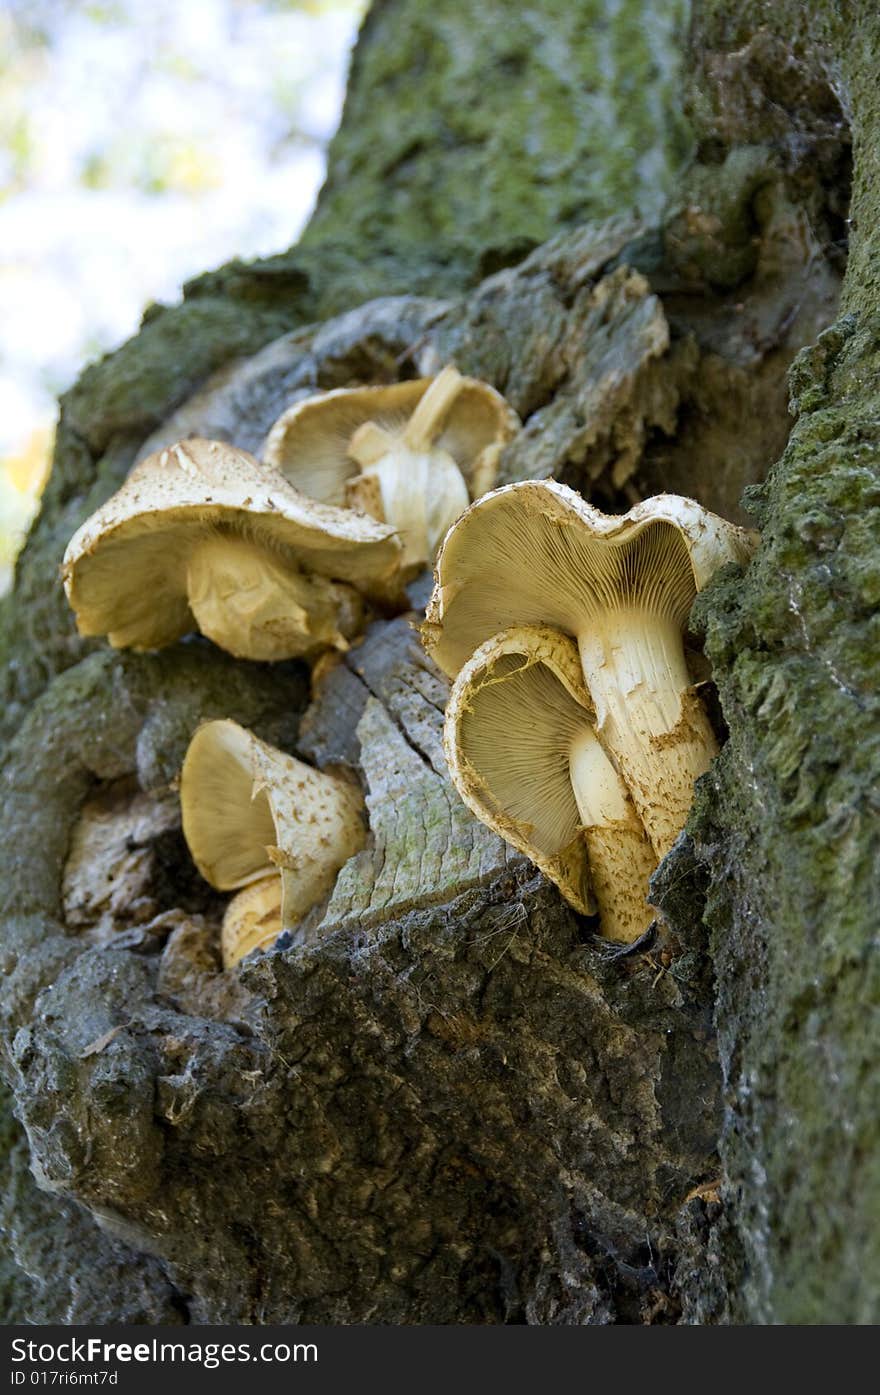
424	449
524	756
252	920
258	819
203	535
535	553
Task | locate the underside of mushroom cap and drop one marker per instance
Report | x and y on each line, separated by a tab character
227	816
252	920
514	712
309	443
125	569
535	553
525	758
249	809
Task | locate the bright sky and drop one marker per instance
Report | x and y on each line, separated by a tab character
139	145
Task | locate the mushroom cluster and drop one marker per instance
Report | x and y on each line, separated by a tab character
275	560
413	454
574	728
619	590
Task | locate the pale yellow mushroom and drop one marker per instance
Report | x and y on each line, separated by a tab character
252	920
201	535
258	819
524	756
423	448
622	586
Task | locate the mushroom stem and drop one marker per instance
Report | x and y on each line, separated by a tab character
648	719
256	605
370	443
421	488
621	858
524	756
430	413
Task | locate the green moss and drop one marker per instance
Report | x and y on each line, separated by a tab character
793	839
131	390
469	130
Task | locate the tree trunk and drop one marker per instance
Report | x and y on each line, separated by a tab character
457	1105
788	826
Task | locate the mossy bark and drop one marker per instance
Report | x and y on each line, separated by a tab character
456	1106
789	826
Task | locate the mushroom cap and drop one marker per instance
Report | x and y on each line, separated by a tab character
249	809
535	553
515	711
308	444
227	815
127	565
252	920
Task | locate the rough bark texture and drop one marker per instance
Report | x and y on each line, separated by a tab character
471	137
788	826
456	1105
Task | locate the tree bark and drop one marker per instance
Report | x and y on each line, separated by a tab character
456	1105
788	825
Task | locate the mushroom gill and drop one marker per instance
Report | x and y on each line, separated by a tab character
423	450
524	756
536	554
253	815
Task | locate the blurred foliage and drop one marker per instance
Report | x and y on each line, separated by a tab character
140	144
21	483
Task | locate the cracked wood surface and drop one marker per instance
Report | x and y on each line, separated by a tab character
381	710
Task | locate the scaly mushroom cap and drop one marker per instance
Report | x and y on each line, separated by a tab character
249	809
252	920
309	443
135	569
524	757
535	553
